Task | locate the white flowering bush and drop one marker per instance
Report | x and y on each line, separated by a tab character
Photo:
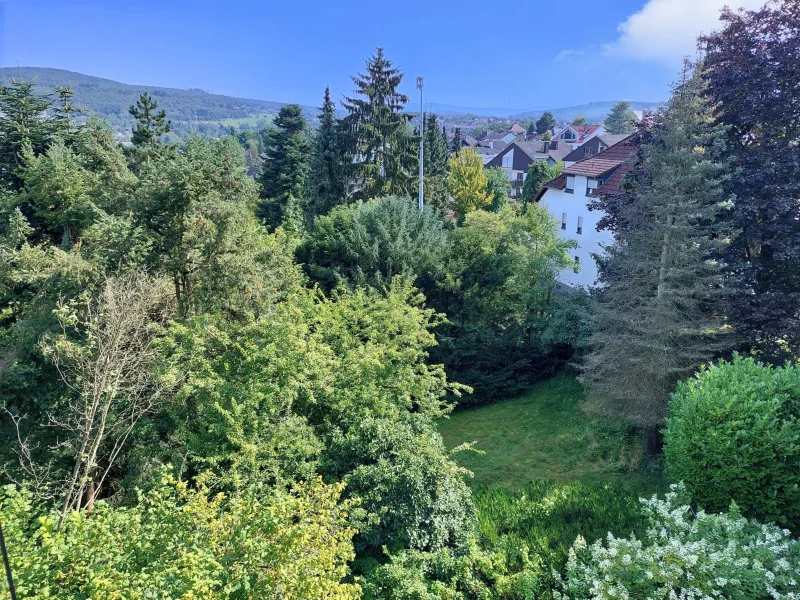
687	555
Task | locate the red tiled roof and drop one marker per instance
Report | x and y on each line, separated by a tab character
614	157
611	185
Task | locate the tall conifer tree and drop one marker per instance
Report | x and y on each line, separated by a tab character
283	176
621	118
657	316
435	164
327	188
379	135
151	123
24	120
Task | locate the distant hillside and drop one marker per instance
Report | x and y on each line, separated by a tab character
111	99
593	111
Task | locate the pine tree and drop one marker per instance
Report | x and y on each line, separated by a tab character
657	316
621	119
150	122
25	119
327	187
546	122
384	152
283	176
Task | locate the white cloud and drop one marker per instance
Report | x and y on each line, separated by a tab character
569	54
667	30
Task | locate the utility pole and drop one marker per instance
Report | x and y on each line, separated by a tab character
421	139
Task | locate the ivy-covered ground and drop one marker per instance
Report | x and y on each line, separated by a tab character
544	434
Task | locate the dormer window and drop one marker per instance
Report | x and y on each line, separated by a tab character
588	151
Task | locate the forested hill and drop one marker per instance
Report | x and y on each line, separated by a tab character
111	99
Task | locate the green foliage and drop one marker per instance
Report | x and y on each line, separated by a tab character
436	156
497	286
579	120
545	123
734	435
283	175
621	118
539	173
25	121
538	523
151	123
374	241
376	132
180	542
498	187
686	555
467	182
659	315
198	210
545	434
327	186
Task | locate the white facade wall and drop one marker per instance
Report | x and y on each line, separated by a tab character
569	209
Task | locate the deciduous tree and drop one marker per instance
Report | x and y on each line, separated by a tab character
754	81
467	182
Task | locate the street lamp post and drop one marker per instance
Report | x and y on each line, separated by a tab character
421	138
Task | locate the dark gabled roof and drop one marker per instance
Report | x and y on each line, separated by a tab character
601	163
607	139
614	157
495	135
469	140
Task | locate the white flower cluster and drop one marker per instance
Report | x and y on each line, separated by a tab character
687	556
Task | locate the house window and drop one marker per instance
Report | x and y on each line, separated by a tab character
580	225
591	186
588	151
577	263
568	135
508	160
570	188
563	221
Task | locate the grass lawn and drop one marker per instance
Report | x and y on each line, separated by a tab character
543	434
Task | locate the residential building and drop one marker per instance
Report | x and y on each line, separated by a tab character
595	145
577	135
492	138
517	129
518	156
567	200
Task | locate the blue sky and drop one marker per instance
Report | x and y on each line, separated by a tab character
522	54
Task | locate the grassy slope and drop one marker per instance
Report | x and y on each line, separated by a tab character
543	434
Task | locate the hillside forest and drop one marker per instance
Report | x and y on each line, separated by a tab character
225	377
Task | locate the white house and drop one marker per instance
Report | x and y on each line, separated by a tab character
576	135
567	200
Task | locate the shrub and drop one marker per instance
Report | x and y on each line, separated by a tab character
182	543
734	434
685	555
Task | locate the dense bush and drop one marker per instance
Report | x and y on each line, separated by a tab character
176	542
685	555
372	242
734	435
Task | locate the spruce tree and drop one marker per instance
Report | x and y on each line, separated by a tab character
656	317
283	176
539	173
546	122
25	119
621	119
151	123
380	142
327	188
435	165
